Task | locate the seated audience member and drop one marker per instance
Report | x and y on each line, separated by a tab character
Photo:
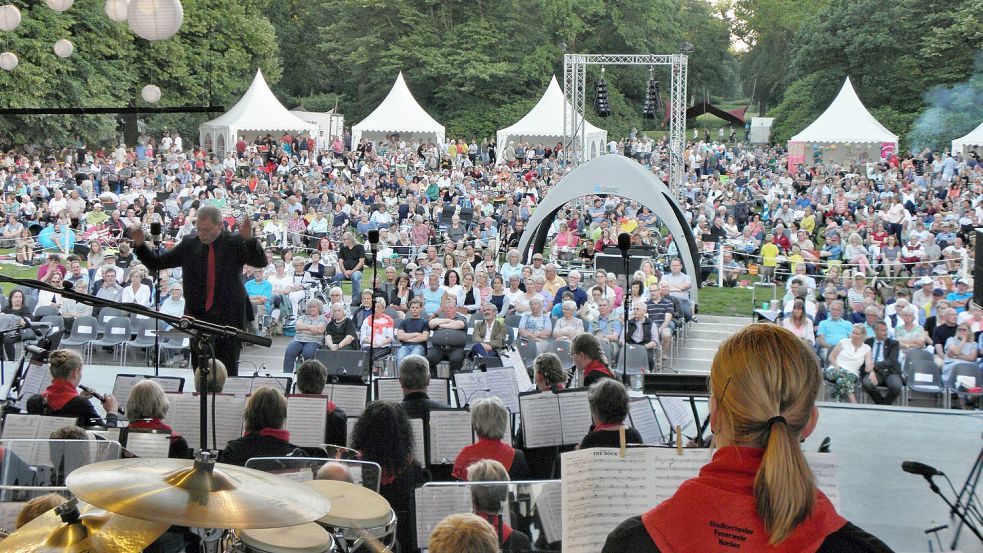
960	348
217	376
37	507
310	328
377	331
798	323
311	379
568	326
834	329
490	420
383	435
764	382
412	332
448	335
640	332
463	533
489	333
414	378
61	398
608	400
341	331
333	470
490	502
608	328
849	360
536	325
266	413
146	408
887	368
588	358
549	373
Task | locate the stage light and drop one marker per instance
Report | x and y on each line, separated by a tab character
601	105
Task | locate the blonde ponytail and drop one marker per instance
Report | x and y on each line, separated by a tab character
784	488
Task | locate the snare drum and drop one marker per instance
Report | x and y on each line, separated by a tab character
355	509
305	538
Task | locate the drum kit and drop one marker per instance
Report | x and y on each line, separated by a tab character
123	506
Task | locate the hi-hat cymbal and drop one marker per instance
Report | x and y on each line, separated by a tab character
96	531
199	493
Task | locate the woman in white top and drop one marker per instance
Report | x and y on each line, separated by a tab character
136	292
46	298
799	324
517	298
846	361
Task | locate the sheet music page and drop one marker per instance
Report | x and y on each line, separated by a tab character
433	504
281	383
437	390
643	420
228	419
122	387
350	397
21	427
419	445
540	415
183	417
307	416
46	379
550	509
825	466
239	386
522	376
9	511
502	383
32	384
677	412
349	427
575	413
388	389
449	432
470	386
148	444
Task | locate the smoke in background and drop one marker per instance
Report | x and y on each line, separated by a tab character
950	112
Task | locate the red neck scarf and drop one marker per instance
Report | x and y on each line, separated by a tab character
495	520
611	426
596	365
485	448
688	521
59	393
153	424
276	433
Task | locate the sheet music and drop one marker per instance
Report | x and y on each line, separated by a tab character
419	445
349	427
677	412
21	427
511	358
502	383
281	383
470	386
9	511
32	384
550	509
540	413
388	389
450	430
240	386
307	417
825	467
437	390
575	416
183	417
125	382
350	397
643	420
148	444
433	504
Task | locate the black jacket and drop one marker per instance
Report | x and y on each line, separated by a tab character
240	450
890	364
419	404
609	438
78	407
336	430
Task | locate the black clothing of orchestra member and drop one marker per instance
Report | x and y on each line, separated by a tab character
610	438
240	450
336	429
78	407
419	404
229	300
400	491
888	373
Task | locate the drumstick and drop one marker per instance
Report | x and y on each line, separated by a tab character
373	542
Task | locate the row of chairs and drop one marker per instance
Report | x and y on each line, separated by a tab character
923	379
121	334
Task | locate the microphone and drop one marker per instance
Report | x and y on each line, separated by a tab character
373	236
36	350
98	396
914	467
624	243
155	232
467	399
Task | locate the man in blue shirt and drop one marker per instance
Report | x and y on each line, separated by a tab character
260	292
959	298
834	329
579	294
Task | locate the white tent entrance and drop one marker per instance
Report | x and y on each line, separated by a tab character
971	141
399	113
618	176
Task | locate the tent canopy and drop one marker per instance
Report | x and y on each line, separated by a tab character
545	120
973	139
846	120
259	110
399	112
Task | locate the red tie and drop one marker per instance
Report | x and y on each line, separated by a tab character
210	278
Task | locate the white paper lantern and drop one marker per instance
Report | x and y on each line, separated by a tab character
64	48
59	5
9	17
155	19
116	9
150	93
8	61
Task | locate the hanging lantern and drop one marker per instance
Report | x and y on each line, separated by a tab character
59	5
116	9
64	48
8	61
9	17
150	93
155	19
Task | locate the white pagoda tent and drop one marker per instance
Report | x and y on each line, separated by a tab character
846	131
257	112
399	113
544	125
966	143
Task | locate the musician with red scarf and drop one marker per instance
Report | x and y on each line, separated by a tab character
491	501
608	401
757	493
586	353
311	378
146	408
62	399
266	413
490	420
384	436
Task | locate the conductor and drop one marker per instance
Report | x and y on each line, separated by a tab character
212	264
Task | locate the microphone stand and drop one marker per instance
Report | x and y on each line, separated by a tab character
157	308
953	510
373	246
624	327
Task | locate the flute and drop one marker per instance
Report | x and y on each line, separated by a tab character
101	398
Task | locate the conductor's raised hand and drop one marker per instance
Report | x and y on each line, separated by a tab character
246	227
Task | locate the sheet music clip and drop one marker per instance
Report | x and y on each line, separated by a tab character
679	440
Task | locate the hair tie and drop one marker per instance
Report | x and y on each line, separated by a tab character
771	422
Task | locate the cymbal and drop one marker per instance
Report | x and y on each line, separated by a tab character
96	531
198	493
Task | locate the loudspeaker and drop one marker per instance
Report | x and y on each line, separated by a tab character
978	269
